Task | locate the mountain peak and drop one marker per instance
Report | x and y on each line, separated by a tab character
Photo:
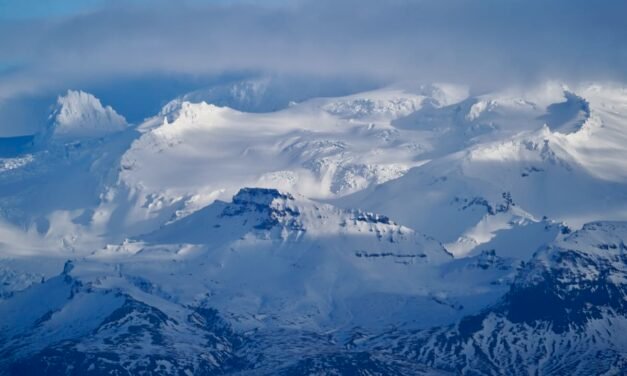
80	115
260	196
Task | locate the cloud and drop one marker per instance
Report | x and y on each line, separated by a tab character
480	42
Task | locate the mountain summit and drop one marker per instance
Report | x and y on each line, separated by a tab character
80	115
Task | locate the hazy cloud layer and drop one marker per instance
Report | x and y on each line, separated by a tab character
480	42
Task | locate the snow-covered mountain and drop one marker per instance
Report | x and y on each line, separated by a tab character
504	183
80	115
563	314
412	229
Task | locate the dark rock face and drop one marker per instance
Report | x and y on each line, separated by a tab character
490	208
272	207
259	196
351	363
564	314
565	299
372	218
140	339
561	316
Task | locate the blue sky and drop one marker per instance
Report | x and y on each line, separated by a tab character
19	9
25	9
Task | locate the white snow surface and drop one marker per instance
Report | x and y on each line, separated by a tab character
410	206
423	154
80	115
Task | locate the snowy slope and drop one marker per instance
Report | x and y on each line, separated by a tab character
334	261
311	148
579	281
562	315
266	261
498	246
533	174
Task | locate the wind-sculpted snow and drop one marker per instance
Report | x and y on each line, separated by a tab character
569	116
405	230
80	115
